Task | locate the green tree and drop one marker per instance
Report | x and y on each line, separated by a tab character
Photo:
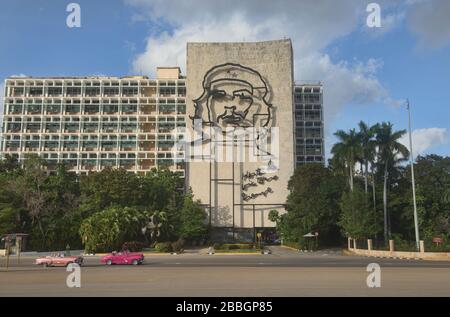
107	230
312	204
432	174
347	151
390	153
368	154
62	219
30	186
12	213
109	187
9	164
358	219
193	219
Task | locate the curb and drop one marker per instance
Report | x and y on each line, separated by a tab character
291	248
242	253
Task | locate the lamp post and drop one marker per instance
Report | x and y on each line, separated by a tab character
416	223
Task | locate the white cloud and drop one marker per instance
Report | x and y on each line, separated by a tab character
430	21
313	26
426	139
389	22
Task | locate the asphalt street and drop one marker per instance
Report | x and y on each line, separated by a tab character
283	273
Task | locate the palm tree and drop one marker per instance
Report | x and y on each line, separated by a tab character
368	148
348	151
390	153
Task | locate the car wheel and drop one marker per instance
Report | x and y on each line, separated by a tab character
109	262
135	262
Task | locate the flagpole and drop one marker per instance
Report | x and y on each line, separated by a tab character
411	155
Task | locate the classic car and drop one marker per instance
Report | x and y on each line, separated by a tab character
59	260
124	257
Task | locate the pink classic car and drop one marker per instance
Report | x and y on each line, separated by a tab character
59	260
124	257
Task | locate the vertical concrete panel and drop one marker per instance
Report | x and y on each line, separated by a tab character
272	60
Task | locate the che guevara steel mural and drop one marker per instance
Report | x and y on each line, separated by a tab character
237	96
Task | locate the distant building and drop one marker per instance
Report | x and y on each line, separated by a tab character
309	123
90	123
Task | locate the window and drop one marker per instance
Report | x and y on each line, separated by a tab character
92	91
73	91
167	91
18	91
73	108
36	91
110	108
129	91
91	109
111	91
53	109
54	91
34	108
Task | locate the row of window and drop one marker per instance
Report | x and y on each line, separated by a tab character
307	97
309	150
95	91
90	109
88	146
123	83
309	159
163	127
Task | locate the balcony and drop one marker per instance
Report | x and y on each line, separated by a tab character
89	148
109	148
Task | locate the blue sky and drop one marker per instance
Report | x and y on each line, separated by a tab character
366	72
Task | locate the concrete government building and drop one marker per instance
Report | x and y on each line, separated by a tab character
134	122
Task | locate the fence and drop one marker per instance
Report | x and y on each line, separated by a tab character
353	248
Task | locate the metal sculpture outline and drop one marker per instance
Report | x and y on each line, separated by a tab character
231	70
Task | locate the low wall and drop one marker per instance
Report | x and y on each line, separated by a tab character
422	255
432	256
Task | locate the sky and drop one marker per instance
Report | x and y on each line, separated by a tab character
367	73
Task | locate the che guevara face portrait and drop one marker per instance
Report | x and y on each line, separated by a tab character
233	96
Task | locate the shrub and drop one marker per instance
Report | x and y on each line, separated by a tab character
238	246
163	247
401	244
291	244
178	245
133	246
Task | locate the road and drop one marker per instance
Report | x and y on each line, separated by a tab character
283	273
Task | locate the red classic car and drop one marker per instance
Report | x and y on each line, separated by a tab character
59	260
124	257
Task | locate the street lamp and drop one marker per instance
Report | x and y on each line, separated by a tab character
416	224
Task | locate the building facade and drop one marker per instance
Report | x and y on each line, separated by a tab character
309	123
90	123
138	123
236	86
